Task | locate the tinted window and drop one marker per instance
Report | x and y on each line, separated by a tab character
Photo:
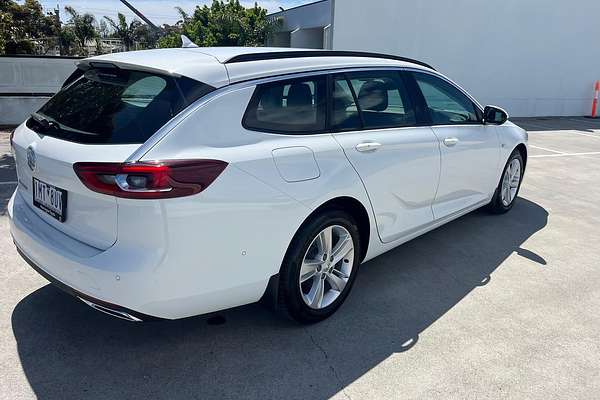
115	106
382	99
345	113
446	103
294	106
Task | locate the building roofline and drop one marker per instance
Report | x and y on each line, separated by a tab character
296	7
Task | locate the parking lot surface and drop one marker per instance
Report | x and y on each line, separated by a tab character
486	307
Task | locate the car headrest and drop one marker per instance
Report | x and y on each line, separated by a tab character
299	95
272	98
373	96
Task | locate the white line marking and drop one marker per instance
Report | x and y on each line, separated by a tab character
586	134
592	153
545	149
9	183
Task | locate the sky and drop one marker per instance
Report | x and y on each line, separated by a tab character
158	11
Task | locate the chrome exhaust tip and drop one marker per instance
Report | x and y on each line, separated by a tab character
115	313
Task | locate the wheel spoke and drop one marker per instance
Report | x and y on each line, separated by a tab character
324	242
341	249
505	193
308	269
315	296
336	282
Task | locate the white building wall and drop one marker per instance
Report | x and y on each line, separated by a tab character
302	26
532	57
307	38
26	83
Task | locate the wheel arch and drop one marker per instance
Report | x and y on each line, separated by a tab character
523	151
356	209
342	203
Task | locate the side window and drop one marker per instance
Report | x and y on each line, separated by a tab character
345	113
293	106
447	105
382	99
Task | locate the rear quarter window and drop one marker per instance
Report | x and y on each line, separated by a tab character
115	106
289	107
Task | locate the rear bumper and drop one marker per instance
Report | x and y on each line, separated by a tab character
133	279
108	308
112	280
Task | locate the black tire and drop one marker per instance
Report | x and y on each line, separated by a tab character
496	206
289	293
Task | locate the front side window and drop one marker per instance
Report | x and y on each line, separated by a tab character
446	104
294	106
115	106
383	100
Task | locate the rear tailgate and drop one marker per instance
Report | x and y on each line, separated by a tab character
89	217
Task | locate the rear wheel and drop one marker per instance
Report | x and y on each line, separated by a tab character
510	183
320	267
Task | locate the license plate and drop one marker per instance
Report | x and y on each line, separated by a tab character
50	199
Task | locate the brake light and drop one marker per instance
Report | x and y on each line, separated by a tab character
149	180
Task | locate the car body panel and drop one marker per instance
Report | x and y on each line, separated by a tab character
401	176
91	217
468	166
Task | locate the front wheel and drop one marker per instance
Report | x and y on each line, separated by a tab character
510	183
320	267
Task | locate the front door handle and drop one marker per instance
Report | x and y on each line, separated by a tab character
367	147
450	141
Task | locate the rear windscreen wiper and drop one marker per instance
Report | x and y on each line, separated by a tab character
44	122
48	123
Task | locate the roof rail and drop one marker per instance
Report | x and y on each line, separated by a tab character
274	55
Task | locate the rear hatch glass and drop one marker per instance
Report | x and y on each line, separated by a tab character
115	106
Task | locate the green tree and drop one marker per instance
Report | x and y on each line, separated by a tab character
224	23
83	27
67	41
22	26
126	32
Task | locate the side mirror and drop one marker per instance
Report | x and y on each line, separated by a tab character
494	115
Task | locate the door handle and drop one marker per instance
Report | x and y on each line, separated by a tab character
367	147
450	141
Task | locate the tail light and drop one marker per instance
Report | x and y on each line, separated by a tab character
149	180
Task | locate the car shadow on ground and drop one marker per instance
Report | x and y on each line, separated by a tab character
8	177
69	351
535	124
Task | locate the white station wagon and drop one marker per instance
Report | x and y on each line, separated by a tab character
176	182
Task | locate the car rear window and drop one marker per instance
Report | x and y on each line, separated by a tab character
115	106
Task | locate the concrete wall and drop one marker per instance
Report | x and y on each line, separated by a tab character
303	25
26	83
307	38
532	57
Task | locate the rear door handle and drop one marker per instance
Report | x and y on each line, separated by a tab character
450	141
367	147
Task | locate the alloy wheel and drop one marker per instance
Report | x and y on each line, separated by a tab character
510	182
326	267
